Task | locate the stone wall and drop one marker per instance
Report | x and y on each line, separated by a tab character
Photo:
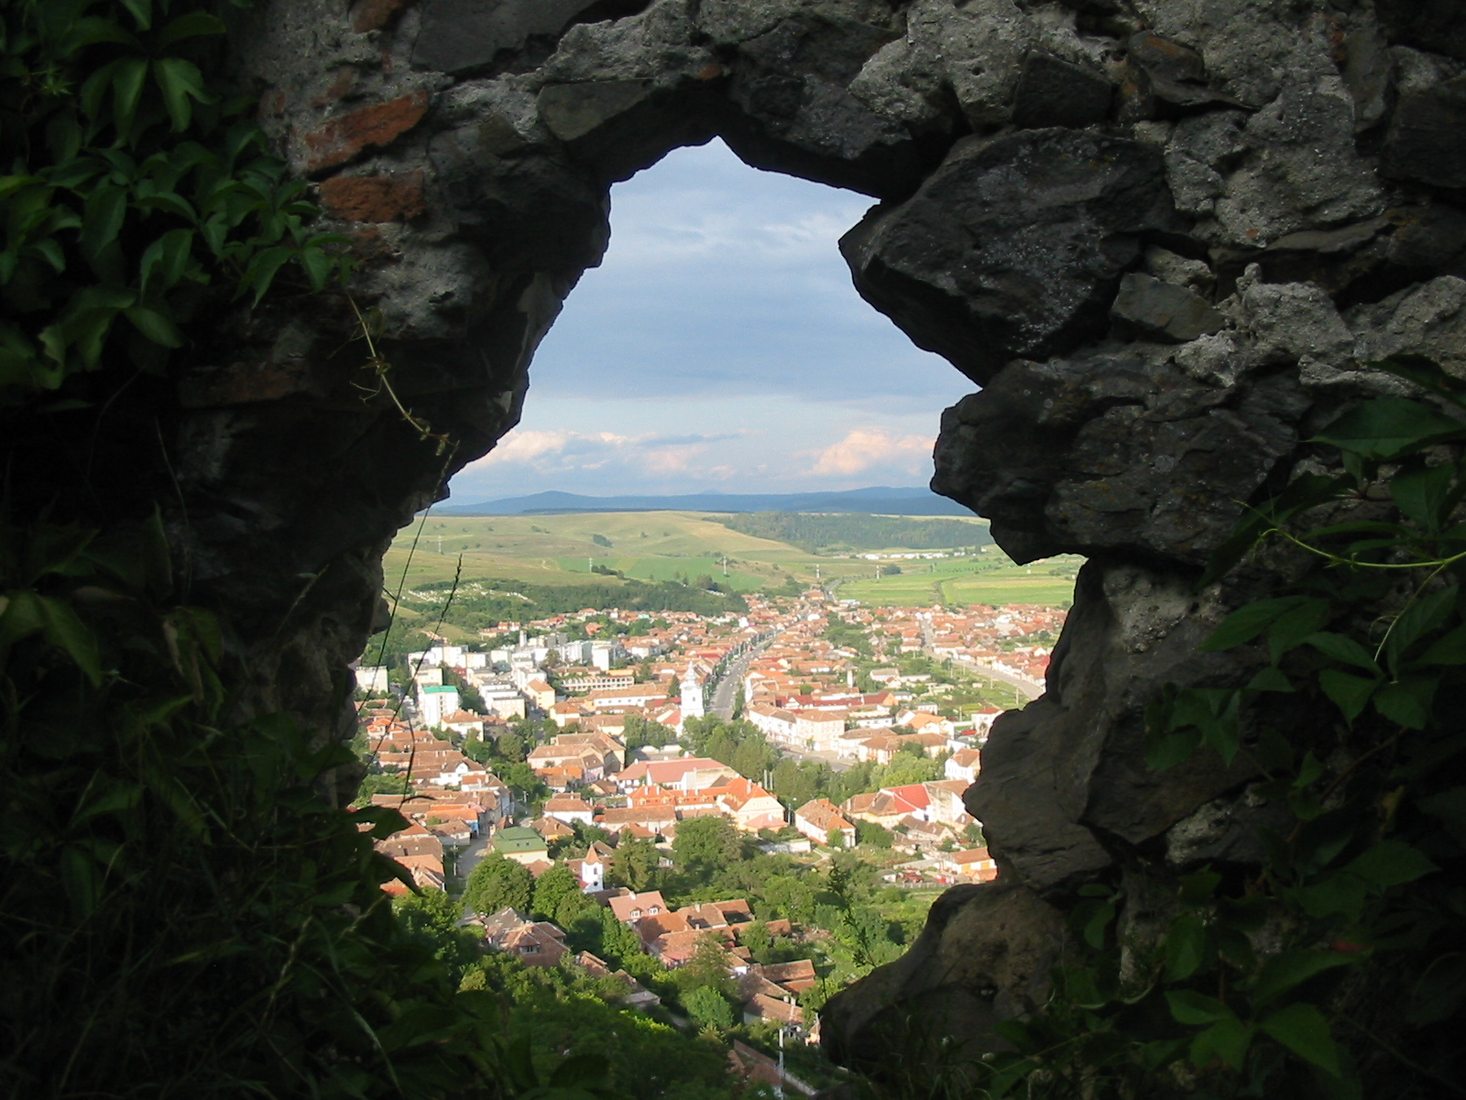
1161	235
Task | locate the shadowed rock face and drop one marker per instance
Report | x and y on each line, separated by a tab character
1162	234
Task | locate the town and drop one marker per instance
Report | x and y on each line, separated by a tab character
719	820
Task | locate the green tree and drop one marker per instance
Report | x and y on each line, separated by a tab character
552	888
498	882
759	942
871	835
635	865
432	917
704	844
907	768
708	1008
707	969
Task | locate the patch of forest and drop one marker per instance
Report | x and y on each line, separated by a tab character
813	532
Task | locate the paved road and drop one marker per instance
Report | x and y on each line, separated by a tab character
732	681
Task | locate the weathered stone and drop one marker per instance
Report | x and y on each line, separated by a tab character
1055	93
346	137
1367	69
792	87
1249	47
1300	170
1013	247
374	198
984	955
458	36
1438	25
1165	79
1164	310
1428	320
1424	139
374	15
1226	830
1154	461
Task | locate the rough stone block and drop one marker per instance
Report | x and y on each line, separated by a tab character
1052	92
462	35
347	136
1164	310
1425	140
1013	247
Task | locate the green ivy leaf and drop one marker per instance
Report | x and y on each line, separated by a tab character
1391	863
1349	693
1389	427
1225	1041
62	627
167	256
1288	970
1289	629
1185	947
1190	1007
155	326
1422	495
1303	1030
194	24
105	211
1342	648
1271	680
127	90
142	12
1407	701
180	82
1252	619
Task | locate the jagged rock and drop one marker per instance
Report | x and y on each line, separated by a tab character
458	36
1165	78
985	954
1070	769
1424	140
792	85
1226	830
1013	247
1300	169
1164	310
1428	320
1438	25
1052	92
1249	49
1153	461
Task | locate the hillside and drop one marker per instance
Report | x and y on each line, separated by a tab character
539	563
877	500
824	531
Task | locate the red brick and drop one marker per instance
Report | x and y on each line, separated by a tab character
347	136
374	198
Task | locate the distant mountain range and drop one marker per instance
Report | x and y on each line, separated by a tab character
879	500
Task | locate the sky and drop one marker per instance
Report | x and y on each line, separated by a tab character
720	346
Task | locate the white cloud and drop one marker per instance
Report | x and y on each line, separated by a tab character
863	449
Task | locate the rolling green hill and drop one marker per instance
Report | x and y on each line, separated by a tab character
615	550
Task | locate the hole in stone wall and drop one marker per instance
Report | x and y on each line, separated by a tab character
721	347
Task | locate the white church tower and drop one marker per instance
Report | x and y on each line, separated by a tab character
692	701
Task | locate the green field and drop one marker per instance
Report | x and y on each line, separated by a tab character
989	579
662	546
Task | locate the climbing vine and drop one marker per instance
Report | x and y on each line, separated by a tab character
183	912
134	191
1333	966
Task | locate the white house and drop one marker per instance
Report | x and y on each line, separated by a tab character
434	703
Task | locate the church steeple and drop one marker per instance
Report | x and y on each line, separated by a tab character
692	700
